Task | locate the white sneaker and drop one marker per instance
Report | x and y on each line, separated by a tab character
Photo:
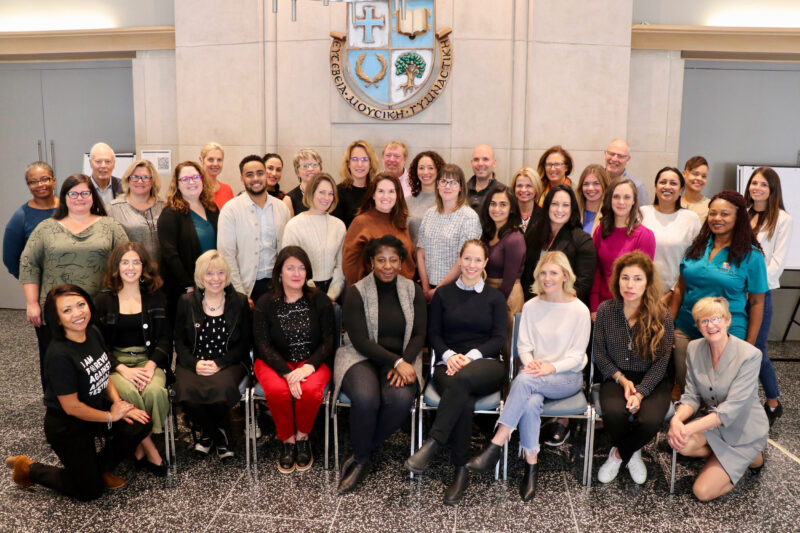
608	472
637	469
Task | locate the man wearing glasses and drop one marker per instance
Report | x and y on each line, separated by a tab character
617	156
102	160
250	231
482	183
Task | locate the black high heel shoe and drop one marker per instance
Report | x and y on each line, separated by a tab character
159	470
419	462
353	473
756	470
773	415
487	459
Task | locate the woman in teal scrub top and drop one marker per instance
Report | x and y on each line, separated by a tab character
725	260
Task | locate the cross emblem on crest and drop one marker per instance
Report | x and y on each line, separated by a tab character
368	23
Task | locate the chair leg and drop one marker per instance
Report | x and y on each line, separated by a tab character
672	472
586	452
247	428
336	436
166	436
591	449
505	459
413	423
327	427
253	426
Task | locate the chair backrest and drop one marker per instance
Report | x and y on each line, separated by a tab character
337	325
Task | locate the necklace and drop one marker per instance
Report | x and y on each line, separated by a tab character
210	307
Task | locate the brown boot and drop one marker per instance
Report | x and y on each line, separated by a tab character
22	469
112	482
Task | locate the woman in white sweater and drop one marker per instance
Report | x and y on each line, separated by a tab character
553	334
772	226
673	226
320	235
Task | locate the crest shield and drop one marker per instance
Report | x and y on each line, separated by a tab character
391	64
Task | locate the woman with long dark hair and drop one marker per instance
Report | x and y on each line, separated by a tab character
422	173
632	345
725	259
772	226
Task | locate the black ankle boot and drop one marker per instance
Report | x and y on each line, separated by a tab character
455	491
352	476
419	462
527	487
486	461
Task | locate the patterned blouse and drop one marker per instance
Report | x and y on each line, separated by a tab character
295	320
211	338
615	349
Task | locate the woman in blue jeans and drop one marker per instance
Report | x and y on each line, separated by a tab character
553	334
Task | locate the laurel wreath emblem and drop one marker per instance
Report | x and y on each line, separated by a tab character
362	75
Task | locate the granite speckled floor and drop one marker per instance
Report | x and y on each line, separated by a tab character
204	496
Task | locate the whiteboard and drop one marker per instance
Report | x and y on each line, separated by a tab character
790	189
122	161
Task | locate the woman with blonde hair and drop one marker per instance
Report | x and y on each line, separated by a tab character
211	157
592	186
358	168
554	332
723	375
139	207
527	187
632	344
307	166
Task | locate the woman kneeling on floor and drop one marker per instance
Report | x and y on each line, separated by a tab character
723	374
632	345
82	404
293	329
553	334
212	341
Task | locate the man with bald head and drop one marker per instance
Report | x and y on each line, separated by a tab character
482	183
101	159
617	156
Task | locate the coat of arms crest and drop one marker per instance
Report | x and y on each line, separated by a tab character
391	64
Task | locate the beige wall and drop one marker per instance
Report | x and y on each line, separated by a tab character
527	74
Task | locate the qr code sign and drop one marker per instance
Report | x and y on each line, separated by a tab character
163	164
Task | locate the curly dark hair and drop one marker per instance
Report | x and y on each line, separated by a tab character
513	223
413	179
742	240
542	232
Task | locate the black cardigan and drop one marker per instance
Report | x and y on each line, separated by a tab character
180	247
190	316
271	343
577	245
155	324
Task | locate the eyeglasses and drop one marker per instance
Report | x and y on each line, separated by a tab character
140	179
306	166
615	155
554	165
355	159
715	320
187	179
40	181
76	194
448	183
125	263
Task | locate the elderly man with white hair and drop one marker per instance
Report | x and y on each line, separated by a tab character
101	159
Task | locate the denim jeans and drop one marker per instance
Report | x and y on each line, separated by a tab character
767	373
526	398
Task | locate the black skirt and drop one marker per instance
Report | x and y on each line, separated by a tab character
222	387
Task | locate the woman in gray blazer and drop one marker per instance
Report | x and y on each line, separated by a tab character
723	373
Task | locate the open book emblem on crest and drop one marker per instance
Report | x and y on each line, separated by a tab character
391	64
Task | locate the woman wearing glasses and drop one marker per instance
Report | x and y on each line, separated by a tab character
187	228
71	247
139	207
555	165
307	166
41	183
359	166
444	230
723	375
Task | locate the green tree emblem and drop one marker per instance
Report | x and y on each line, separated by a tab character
413	66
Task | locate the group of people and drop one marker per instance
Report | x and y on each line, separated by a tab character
115	279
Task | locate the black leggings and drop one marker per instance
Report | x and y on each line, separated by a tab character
73	441
211	418
459	392
630	436
377	409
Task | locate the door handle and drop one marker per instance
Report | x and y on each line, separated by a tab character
39	145
53	154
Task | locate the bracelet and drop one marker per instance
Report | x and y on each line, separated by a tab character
397	363
618	378
110	419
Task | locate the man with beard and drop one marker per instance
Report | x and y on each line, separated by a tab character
250	230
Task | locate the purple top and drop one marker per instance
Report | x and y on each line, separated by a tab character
507	260
617	244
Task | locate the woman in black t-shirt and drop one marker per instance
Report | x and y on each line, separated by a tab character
81	404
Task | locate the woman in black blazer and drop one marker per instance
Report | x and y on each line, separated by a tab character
187	227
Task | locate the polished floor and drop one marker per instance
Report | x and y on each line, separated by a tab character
203	495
